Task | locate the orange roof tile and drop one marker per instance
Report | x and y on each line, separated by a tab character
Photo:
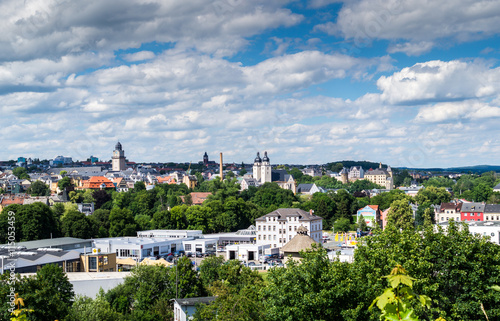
95	182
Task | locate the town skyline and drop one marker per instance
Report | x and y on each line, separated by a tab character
405	83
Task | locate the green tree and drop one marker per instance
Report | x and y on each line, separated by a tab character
64	183
315	289
20	172
482	192
400	215
76	224
100	198
362	223
98	309
456	264
38	188
433	194
139	186
32	222
49	293
428	217
342	225
121	223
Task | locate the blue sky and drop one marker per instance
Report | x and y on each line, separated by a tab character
405	82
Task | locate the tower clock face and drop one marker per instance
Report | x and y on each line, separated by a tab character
115	153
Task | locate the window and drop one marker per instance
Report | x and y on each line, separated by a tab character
290	228
274	219
264	228
259	237
274	228
486	217
295	219
442	218
274	237
290	238
187	247
295	228
258	227
264	237
92	263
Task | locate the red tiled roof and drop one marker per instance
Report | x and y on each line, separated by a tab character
95	182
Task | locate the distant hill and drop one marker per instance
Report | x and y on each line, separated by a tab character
478	169
349	163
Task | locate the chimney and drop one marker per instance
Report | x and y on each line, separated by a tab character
221	173
311	212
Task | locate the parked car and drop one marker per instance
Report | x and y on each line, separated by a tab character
179	253
199	254
251	264
209	253
189	254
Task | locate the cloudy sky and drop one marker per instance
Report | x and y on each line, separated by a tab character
407	82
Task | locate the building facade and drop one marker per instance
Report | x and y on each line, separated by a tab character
448	211
472	212
279	227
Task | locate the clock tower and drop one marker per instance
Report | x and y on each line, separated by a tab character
118	159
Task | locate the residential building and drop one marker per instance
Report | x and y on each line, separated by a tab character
190	180
312	171
118	158
496	188
472	212
381	176
448	211
307	189
61	160
356	172
489	229
97	182
492	212
283	179
246	182
371	215
280	226
184	309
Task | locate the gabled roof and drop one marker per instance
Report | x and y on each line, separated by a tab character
95	182
497	187
304	188
373	207
473	207
492	208
283	213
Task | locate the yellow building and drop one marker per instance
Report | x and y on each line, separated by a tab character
381	176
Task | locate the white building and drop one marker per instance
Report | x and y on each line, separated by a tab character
279	227
356	172
171	234
245	252
489	229
138	248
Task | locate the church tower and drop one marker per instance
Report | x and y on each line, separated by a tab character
256	167
205	159
265	168
118	159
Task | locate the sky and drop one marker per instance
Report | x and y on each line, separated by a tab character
412	83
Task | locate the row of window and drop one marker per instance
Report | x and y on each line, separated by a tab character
487	218
273	219
273	237
127	253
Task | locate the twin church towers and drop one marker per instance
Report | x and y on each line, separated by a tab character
262	169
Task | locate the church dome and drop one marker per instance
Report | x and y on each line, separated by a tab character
257	159
265	159
118	146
